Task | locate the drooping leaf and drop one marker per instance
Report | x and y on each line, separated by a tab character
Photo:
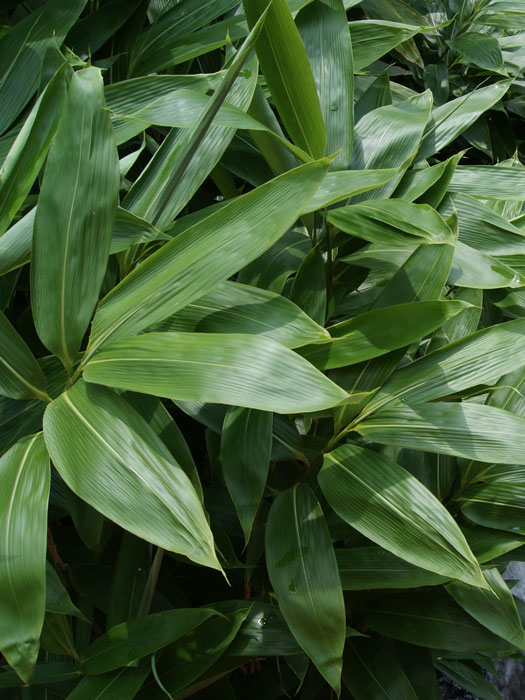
75	214
243	370
303	571
204	255
287	71
24	471
246	446
388	505
95	438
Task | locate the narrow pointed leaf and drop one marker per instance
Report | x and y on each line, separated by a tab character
495	610
479	49
122	685
430	618
372	39
303	571
242	370
366	568
388	505
480	358
232	307
468	678
24	471
130	641
95	438
75	214
324	30
466	430
285	66
23	50
246	446
20	373
185	269
26	156
15	244
377	332
347	183
370	673
57	597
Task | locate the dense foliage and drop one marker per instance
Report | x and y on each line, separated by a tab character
262	349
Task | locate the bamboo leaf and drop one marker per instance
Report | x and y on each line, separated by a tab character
468	430
324	30
20	373
242	370
94	438
372	39
498	504
303	571
377	332
388	505
27	154
232	307
75	214
246	446
285	66
126	643
479	49
122	685
347	183
204	255
468	678
24	471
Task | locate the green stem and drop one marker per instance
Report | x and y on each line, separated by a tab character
151	583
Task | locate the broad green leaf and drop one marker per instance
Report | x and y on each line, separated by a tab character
23	50
264	633
15	244
284	63
511	394
480	358
468	678
246	446
479	49
93	30
418	666
471	268
130	641
157	416
309	286
24	471
324	30
489	182
389	137
392	221
498	504
372	39
27	154
487	544
377	332
428	185
466	430
495	610
232	307
57	635
370	673
465	323
421	278
18	419
75	214
388	505
57	597
303	572
157	45
377	94
430	618
204	255
95	440
436	472
130	229
185	158
242	370
122	685
347	183
366	568
20	373
448	121
187	659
